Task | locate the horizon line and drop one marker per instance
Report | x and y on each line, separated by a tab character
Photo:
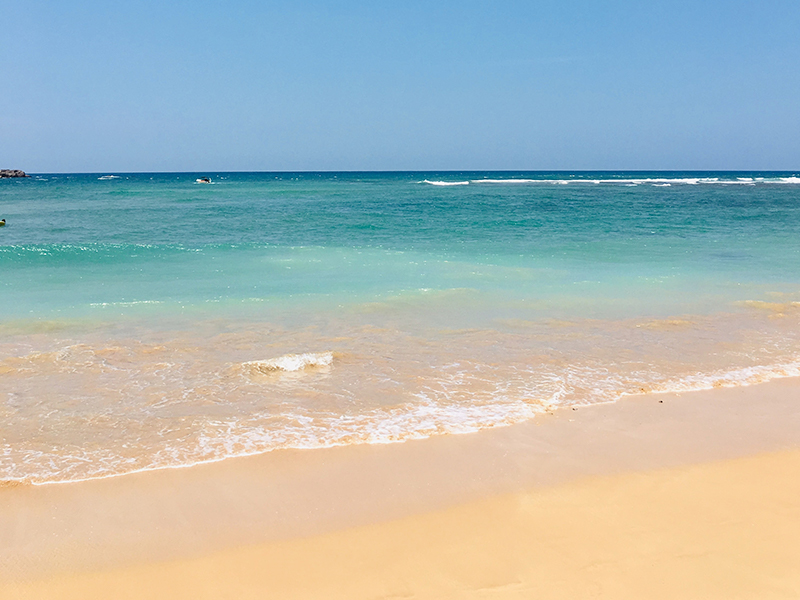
379	171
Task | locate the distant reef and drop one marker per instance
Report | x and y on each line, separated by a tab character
12	173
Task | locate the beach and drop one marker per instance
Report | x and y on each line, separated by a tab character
383	301
662	495
405	384
338	309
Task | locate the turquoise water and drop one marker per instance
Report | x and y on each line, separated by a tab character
151	321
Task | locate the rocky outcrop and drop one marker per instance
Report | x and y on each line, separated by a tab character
12	173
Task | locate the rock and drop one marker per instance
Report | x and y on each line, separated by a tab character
12	173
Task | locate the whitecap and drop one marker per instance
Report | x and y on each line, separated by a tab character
446	183
133	303
291	362
506	180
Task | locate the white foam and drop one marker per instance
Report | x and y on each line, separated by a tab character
663	180
106	177
505	180
427	416
734	378
134	303
655	181
446	183
292	362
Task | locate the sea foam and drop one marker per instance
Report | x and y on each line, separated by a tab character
655	181
292	362
446	183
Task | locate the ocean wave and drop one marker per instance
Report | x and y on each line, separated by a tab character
132	303
107	177
426	415
445	183
656	181
148	402
291	362
506	180
741	377
230	438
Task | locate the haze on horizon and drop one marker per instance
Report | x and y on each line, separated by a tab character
353	85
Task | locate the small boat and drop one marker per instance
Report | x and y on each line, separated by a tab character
203	180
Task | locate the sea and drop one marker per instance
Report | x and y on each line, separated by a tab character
151	320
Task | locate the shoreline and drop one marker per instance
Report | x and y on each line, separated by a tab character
757	378
176	516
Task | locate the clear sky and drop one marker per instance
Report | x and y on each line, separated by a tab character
374	85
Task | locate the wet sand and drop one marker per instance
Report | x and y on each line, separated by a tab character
675	496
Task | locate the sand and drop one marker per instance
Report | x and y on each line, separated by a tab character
718	530
691	496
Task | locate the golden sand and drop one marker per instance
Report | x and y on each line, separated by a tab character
717	530
692	496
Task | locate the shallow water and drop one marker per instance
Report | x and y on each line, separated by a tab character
151	321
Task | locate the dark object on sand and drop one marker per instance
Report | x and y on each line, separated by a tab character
12	173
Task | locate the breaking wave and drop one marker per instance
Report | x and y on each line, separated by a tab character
291	362
445	183
656	181
428	412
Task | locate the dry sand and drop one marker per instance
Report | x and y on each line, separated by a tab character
717	530
692	496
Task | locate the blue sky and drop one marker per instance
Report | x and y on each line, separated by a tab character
571	84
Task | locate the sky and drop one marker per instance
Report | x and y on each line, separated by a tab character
242	85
